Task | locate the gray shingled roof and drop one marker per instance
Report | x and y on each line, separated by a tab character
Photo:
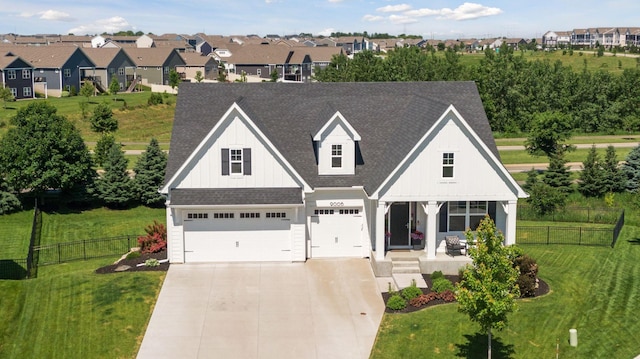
391	117
235	196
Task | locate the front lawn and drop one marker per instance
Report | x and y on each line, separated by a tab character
71	312
593	289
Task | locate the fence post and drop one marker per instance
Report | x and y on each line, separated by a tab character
84	249
580	236
59	254
548	230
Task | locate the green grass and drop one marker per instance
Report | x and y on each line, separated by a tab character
137	123
97	223
578	155
576	62
594	139
593	289
15	231
71	312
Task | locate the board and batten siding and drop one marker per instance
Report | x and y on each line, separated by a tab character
266	170
475	176
336	134
175	240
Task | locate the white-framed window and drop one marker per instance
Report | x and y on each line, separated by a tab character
235	161
112	70
11	75
197	215
166	69
259	72
276	215
14	92
26	91
319	212
120	71
26	74
447	165
67	72
349	211
250	215
463	215
336	156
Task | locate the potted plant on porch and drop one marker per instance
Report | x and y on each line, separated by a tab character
417	240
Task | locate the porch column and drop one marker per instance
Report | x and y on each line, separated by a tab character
510	236
379	232
432	215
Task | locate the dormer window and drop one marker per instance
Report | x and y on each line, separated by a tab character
236	161
336	156
447	165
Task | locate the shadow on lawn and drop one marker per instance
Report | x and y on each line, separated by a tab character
634	241
476	347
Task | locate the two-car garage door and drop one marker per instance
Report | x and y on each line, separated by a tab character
237	236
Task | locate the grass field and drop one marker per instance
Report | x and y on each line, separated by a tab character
69	311
578	155
576	62
593	289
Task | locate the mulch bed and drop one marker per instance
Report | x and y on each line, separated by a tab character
133	264
543	288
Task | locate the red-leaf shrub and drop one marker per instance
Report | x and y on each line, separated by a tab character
422	299
447	296
155	240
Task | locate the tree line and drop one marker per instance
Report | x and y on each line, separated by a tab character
513	90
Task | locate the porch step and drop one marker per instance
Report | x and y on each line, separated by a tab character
405	266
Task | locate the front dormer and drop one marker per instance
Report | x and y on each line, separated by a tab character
336	147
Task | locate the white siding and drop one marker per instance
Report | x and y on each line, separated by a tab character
175	240
266	169
475	176
336	134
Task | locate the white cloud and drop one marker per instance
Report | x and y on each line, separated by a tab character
372	18
466	11
327	32
394	8
402	19
55	15
26	14
110	25
335	1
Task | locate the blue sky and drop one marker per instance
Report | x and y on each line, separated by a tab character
439	19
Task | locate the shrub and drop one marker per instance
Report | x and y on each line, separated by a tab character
441	284
133	255
396	302
423	299
73	91
411	292
437	274
154	99
528	278
448	296
151	262
155	240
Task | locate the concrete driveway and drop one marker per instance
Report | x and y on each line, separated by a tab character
318	309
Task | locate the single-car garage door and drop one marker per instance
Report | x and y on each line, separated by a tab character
237	236
336	233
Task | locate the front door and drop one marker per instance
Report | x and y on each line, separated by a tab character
399	226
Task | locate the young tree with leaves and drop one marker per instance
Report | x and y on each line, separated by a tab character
198	76
102	148
488	288
545	199
114	186
174	79
42	151
548	131
150	174
592	175
222	73
6	96
87	90
114	87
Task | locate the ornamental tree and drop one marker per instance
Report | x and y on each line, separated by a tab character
150	174
43	151
488	288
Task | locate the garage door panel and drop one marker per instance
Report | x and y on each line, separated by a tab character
336	235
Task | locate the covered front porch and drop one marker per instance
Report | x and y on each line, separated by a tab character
418	228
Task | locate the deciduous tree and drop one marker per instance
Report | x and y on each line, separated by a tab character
174	78
43	151
102	120
198	76
488	289
114	87
548	131
6	96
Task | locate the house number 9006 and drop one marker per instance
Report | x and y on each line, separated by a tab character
336	204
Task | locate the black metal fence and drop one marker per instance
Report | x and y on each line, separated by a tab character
84	249
571	214
578	235
34	241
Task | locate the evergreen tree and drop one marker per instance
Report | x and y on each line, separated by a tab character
592	175
631	170
532	179
545	199
614	180
198	77
557	174
102	120
102	148
114	187
150	175
8	200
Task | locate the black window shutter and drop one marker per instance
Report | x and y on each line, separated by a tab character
444	214
225	161
492	210
246	161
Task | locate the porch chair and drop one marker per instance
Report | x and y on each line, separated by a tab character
454	244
